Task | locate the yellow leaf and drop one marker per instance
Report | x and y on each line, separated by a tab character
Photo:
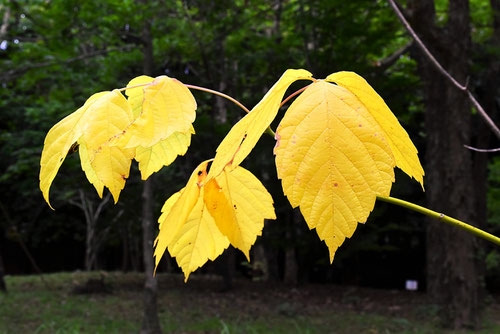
198	222
220	207
163	153
168	107
239	203
175	214
107	117
136	95
244	135
58	141
333	160
198	240
165	210
88	168
401	145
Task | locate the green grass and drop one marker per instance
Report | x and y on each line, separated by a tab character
50	306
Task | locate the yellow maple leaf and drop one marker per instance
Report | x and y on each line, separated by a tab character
59	140
175	213
199	222
245	134
152	159
333	159
88	168
401	145
108	116
239	203
136	94
168	106
198	240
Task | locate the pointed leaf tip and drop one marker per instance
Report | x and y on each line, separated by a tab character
199	222
58	141
107	116
163	153
239	204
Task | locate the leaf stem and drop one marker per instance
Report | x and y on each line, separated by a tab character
292	95
135	86
203	89
452	221
238	103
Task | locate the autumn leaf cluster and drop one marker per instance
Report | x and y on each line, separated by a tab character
336	149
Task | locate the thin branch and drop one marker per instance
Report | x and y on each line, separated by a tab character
484	150
442	217
101	206
440	68
77	204
87	207
387	62
5	23
19	71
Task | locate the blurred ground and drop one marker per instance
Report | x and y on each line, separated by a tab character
112	303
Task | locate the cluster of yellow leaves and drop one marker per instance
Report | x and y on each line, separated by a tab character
336	150
229	204
111	130
200	221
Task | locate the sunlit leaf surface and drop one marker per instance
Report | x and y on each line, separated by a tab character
333	159
401	145
201	220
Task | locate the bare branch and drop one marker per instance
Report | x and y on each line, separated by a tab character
484	150
101	205
19	71
440	68
383	64
77	204
86	206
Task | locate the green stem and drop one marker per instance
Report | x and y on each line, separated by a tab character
442	217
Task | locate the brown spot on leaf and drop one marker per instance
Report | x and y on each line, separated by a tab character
278	138
335	184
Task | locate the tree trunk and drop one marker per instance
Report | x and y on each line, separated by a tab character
451	269
93	238
3	286
290	275
89	246
125	248
150	321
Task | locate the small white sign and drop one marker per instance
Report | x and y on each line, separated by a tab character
411	285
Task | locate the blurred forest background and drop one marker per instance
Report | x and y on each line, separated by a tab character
54	54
